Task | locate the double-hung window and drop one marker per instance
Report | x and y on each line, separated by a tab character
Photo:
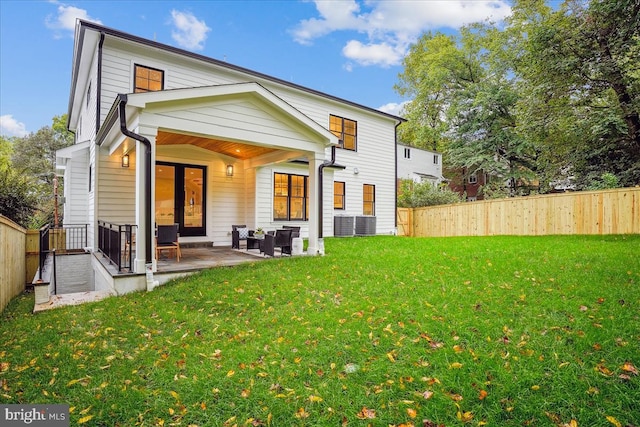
368	199
346	130
290	200
147	79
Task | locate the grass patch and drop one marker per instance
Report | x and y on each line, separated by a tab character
507	331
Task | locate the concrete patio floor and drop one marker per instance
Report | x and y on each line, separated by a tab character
193	259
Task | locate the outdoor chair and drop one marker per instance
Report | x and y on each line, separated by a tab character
239	233
295	231
167	239
280	239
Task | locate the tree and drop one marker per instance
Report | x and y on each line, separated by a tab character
580	86
464	99
17	201
32	172
546	95
434	70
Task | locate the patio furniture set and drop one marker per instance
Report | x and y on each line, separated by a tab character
266	243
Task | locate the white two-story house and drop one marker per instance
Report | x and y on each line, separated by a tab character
164	136
419	165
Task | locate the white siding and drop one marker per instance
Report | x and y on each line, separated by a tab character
116	189
76	188
421	162
87	122
232	200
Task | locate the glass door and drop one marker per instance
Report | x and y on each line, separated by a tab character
180	197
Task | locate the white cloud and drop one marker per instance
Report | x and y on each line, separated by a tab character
189	32
387	27
65	19
11	127
382	54
393	108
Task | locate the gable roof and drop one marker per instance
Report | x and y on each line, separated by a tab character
89	35
237	91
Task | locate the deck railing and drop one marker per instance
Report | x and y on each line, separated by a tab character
61	239
115	242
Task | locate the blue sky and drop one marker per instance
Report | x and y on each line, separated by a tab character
352	49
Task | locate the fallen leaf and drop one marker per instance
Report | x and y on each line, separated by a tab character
301	413
427	394
613	421
482	395
85	419
628	366
455	365
603	370
412	412
314	398
366	413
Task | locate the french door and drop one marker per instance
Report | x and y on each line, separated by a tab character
181	197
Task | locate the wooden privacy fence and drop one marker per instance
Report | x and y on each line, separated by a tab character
589	212
12	260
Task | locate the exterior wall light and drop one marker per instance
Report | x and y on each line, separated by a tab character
229	170
125	161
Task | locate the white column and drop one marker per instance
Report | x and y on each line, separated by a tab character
315	160
141	191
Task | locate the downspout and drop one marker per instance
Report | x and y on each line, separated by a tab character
321	183
147	174
99	82
395	131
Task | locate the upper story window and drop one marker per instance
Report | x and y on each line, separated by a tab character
473	179
436	159
147	79
346	130
407	153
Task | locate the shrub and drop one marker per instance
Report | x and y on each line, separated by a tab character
414	195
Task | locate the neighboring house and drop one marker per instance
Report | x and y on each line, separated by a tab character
164	135
419	165
467	184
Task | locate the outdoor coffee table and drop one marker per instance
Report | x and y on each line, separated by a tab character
256	242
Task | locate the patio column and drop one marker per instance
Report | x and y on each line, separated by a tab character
149	133
315	160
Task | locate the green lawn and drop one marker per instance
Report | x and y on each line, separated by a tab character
500	331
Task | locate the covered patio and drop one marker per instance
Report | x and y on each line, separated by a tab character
225	134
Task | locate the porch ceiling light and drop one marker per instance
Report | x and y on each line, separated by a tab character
125	161
229	170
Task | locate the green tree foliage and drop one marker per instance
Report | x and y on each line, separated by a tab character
27	165
581	87
547	94
17	201
414	195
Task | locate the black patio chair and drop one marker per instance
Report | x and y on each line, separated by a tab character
167	239
239	233
280	239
